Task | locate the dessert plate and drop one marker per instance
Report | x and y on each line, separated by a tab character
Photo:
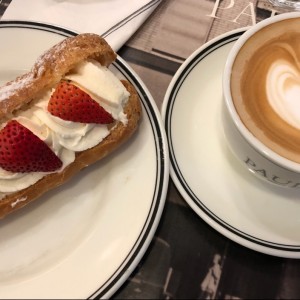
83	239
218	188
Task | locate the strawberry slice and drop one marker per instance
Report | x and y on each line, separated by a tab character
21	151
70	103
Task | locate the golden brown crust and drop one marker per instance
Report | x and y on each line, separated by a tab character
118	135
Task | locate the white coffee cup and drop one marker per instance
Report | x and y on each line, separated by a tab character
248	147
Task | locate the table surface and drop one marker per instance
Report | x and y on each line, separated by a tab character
182	252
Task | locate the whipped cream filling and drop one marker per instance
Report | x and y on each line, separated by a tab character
283	90
65	138
107	89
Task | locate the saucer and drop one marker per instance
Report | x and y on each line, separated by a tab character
213	182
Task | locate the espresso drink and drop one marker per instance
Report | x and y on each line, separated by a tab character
265	87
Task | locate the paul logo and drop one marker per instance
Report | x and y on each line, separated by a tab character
269	176
236	11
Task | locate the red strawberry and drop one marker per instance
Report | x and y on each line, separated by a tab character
22	151
70	103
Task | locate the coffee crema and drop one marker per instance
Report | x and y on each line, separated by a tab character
265	87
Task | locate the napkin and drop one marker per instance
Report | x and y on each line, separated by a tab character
115	20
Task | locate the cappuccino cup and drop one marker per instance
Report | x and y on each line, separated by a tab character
261	107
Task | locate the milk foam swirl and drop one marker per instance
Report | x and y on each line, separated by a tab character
283	91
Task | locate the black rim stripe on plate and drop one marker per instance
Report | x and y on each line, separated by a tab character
169	108
160	169
160	152
38	26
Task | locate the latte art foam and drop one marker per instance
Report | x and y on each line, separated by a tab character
265	86
283	91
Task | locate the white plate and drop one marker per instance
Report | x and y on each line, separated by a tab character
218	188
85	238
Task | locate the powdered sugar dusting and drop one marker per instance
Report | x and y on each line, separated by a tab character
10	88
52	54
45	72
22	82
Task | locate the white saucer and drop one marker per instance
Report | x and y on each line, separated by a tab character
218	188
